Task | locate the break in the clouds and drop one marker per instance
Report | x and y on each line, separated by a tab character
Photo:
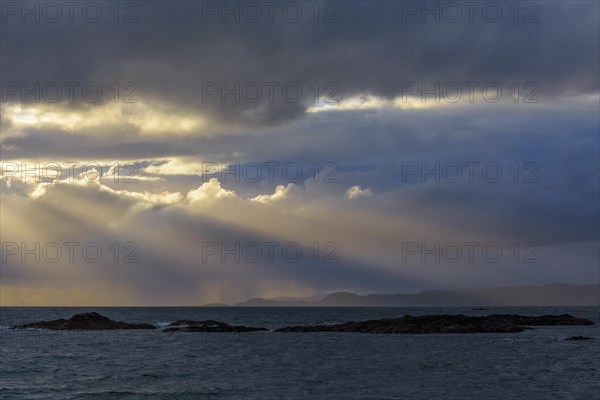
345	143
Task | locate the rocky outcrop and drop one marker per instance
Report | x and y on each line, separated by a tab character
209	326
544	320
407	324
444	324
86	321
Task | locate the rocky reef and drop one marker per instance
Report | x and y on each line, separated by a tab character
544	320
85	321
444	324
497	323
209	325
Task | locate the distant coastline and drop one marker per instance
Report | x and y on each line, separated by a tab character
529	295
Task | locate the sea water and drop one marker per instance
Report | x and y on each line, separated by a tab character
535	364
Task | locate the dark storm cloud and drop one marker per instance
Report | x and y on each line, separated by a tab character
170	52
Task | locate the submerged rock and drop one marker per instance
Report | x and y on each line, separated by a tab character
209	325
85	321
579	338
443	324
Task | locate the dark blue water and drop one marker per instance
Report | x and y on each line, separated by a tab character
535	364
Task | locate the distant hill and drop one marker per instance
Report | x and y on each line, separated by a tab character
260	302
547	295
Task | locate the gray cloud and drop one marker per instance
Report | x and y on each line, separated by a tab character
170	52
370	51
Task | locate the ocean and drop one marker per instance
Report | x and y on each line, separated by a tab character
535	364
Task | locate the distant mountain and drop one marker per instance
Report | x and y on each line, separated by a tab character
260	302
547	295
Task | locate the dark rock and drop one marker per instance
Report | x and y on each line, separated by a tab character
544	320
407	324
209	326
579	338
86	321
443	324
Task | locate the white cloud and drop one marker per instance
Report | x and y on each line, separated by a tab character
115	174
281	192
185	166
371	102
137	200
355	192
210	191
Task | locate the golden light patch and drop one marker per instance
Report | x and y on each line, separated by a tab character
148	119
369	102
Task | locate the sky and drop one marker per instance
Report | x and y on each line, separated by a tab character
190	152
